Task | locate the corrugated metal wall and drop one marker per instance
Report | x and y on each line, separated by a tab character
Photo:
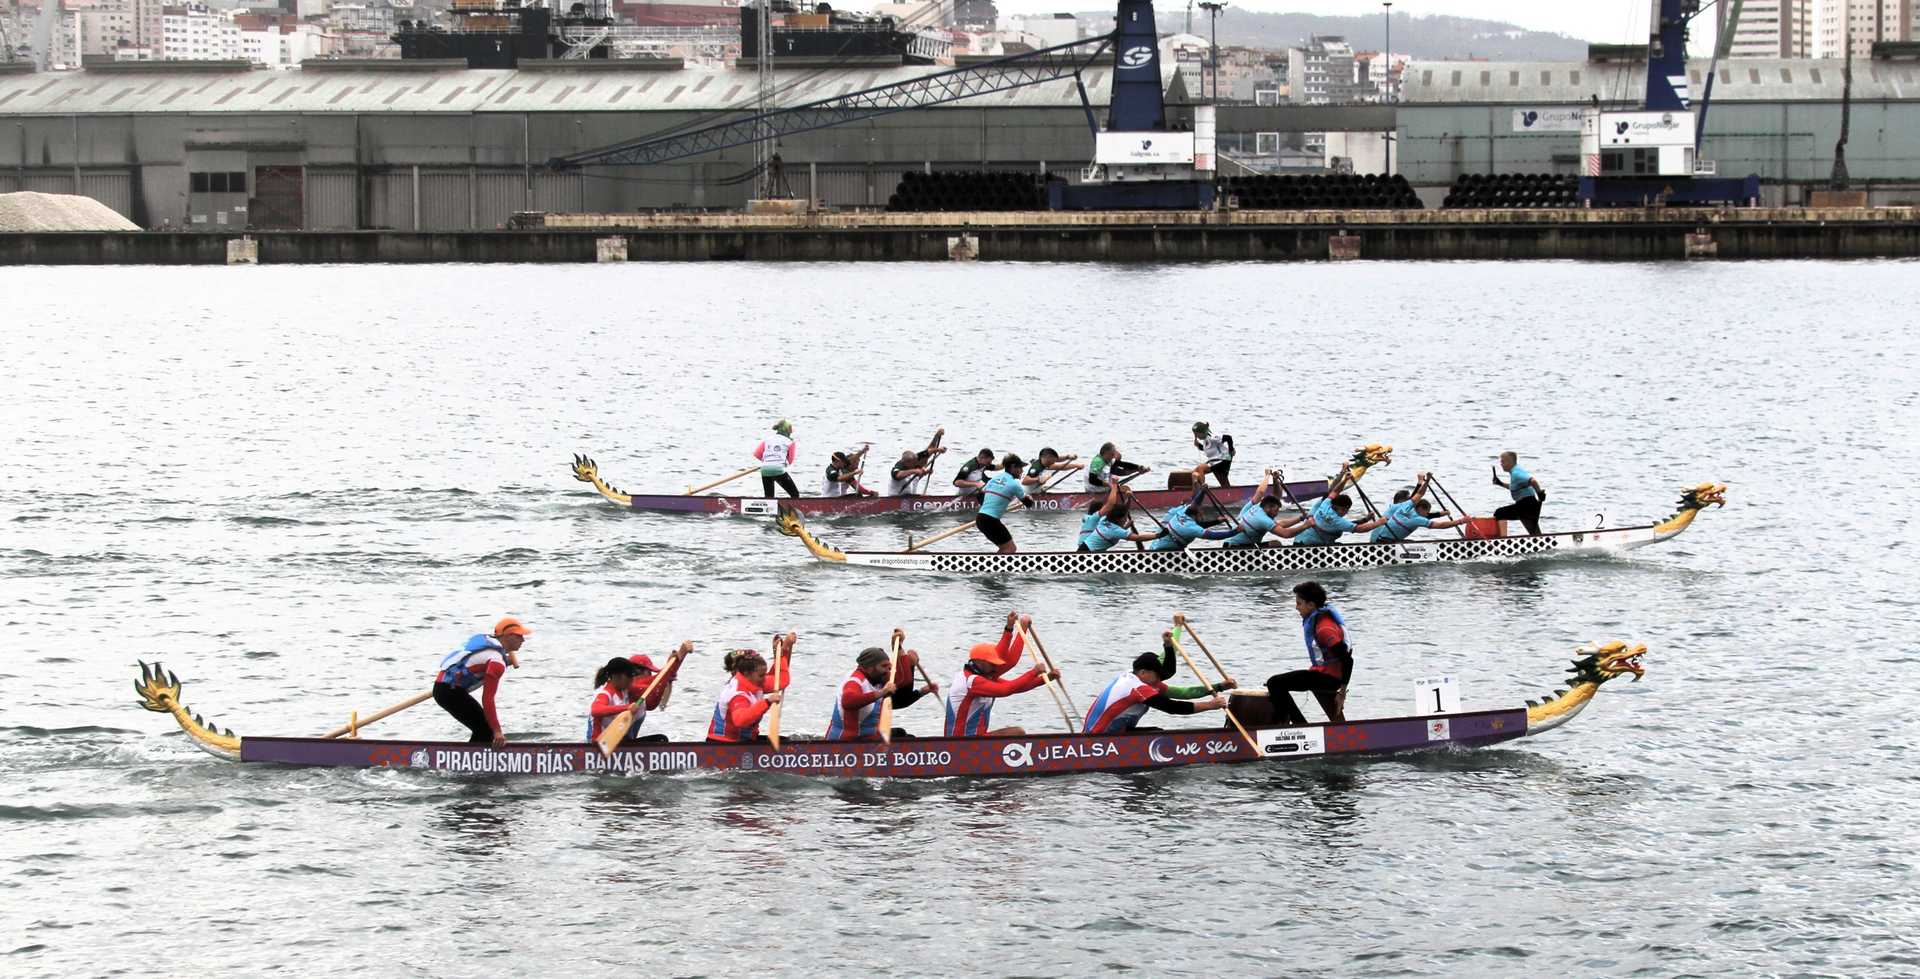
331	199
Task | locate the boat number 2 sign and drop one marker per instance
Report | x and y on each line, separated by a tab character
1436	695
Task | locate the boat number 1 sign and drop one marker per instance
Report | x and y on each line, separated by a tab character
1436	695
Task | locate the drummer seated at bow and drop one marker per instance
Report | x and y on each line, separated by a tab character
1127	697
1191	521
1107	466
843	474
631	689
1110	521
749	692
971	697
914	467
972	478
858	716
1410	511
1327	521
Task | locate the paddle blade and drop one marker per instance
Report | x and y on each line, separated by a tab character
615	731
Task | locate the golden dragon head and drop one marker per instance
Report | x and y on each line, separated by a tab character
159	692
1599	663
1704	495
1364	458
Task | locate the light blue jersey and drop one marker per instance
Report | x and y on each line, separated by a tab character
1327	527
1001	491
1519	483
1254	526
1104	535
1402	521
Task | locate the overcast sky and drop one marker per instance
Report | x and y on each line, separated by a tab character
1613	21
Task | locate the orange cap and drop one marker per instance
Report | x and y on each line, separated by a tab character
511	626
989	652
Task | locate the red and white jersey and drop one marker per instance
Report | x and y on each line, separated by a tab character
967	712
865	721
1121	705
736	690
605	698
775	453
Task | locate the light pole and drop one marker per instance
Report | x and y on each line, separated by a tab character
1388	67
1213	26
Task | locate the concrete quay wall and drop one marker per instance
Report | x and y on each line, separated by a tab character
1637	235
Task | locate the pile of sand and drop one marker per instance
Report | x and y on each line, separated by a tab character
29	211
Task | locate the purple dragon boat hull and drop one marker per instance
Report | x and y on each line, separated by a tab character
869	506
1040	754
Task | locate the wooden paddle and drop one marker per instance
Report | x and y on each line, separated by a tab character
1442	490
933	451
1280	479
1076	722
617	728
886	700
355	725
1180	622
913	545
773	716
691	490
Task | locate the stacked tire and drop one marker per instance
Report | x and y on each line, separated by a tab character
970	190
1318	192
1530	190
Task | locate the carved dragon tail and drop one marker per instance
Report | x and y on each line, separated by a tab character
159	692
588	471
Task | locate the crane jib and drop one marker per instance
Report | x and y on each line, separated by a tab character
952	85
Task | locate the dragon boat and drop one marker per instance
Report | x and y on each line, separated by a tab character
587	471
1274	558
1035	754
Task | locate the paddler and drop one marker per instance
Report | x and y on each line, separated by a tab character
970	699
1330	660
1005	487
637	696
776	453
1261	516
749	693
1192	520
1527	493
858	716
479	662
843	473
1047	463
1110	521
1328	520
1218	450
915	466
1410	511
1107	466
972	478
1126	698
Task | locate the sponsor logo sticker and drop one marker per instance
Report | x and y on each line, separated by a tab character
1292	741
1018	755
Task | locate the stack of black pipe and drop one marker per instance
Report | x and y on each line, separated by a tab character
1514	190
970	190
1335	191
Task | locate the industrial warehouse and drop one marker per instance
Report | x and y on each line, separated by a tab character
433	146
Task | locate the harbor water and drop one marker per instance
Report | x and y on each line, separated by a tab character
299	487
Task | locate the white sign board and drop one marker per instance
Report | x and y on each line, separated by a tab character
759	508
1546	120
1436	695
1143	148
1277	742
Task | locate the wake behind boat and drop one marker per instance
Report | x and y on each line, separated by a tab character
587	471
945	757
1269	560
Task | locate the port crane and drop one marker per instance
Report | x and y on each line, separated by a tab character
1138	162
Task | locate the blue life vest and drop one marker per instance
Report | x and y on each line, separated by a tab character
455	669
1316	655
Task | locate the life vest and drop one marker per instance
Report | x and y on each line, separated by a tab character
867	720
1320	658
611	698
1121	705
830	486
1219	448
776	450
719	729
967	714
465	668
